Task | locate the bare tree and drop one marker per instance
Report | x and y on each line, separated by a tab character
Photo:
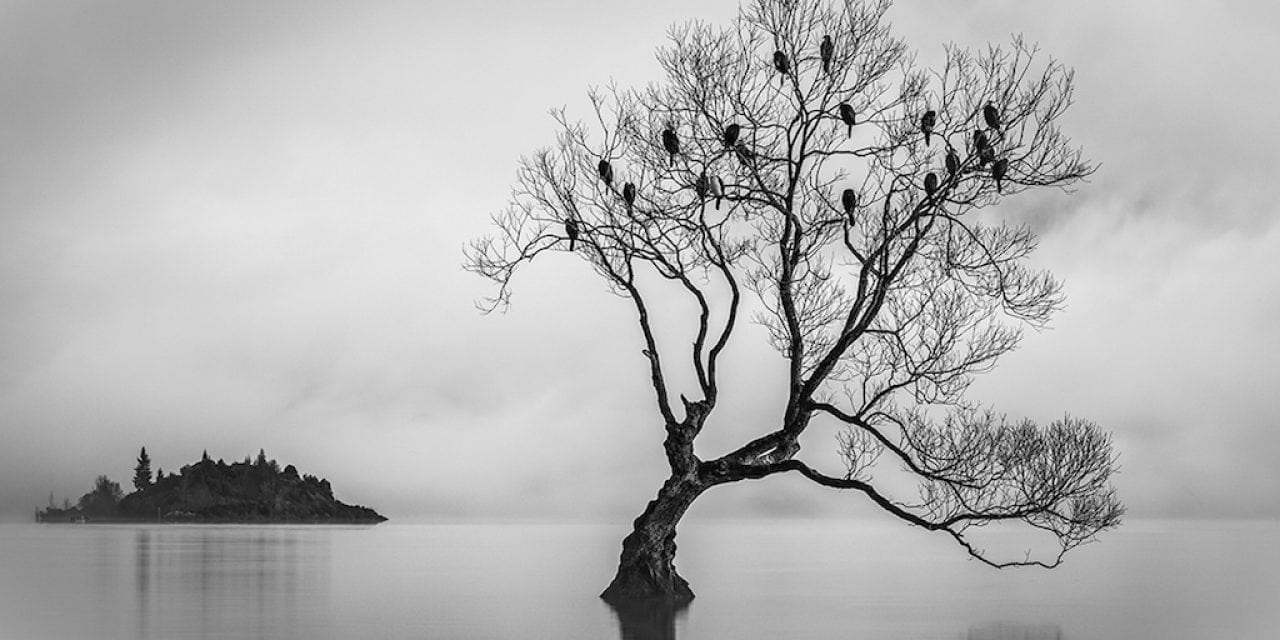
836	192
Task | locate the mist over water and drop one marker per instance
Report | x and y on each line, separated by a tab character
778	579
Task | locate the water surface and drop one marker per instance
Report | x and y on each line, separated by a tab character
788	579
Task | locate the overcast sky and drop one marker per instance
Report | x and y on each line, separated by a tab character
238	225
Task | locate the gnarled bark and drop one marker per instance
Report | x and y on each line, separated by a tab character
646	567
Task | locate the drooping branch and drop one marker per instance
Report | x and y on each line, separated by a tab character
944	474
1053	479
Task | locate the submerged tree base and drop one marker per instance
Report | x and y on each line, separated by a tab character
646	567
639	583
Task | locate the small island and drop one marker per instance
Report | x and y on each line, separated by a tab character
248	492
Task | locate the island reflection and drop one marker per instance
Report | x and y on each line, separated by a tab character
213	580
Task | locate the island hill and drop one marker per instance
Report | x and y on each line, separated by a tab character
214	492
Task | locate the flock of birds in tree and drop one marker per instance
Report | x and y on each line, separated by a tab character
714	186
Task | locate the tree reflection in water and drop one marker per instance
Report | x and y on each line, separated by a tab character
1010	631
649	619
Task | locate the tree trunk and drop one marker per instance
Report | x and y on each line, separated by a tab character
646	568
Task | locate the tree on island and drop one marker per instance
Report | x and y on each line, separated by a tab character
845	199
142	472
103	499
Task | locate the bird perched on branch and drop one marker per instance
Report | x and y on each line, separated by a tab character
847	116
717	190
986	155
980	139
671	143
849	199
700	186
953	161
992	116
982	146
571	230
931	184
827	49
998	172
606	172
781	63
629	196
731	134
927	122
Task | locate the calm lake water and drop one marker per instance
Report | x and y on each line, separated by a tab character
788	579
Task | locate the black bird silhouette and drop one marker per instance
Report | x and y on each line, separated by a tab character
606	172
953	161
982	145
931	184
571	230
986	155
671	143
927	122
700	186
629	195
717	190
827	49
847	116
849	199
781	63
992	116
731	133
998	171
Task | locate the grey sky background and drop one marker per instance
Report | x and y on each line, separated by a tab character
238	225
